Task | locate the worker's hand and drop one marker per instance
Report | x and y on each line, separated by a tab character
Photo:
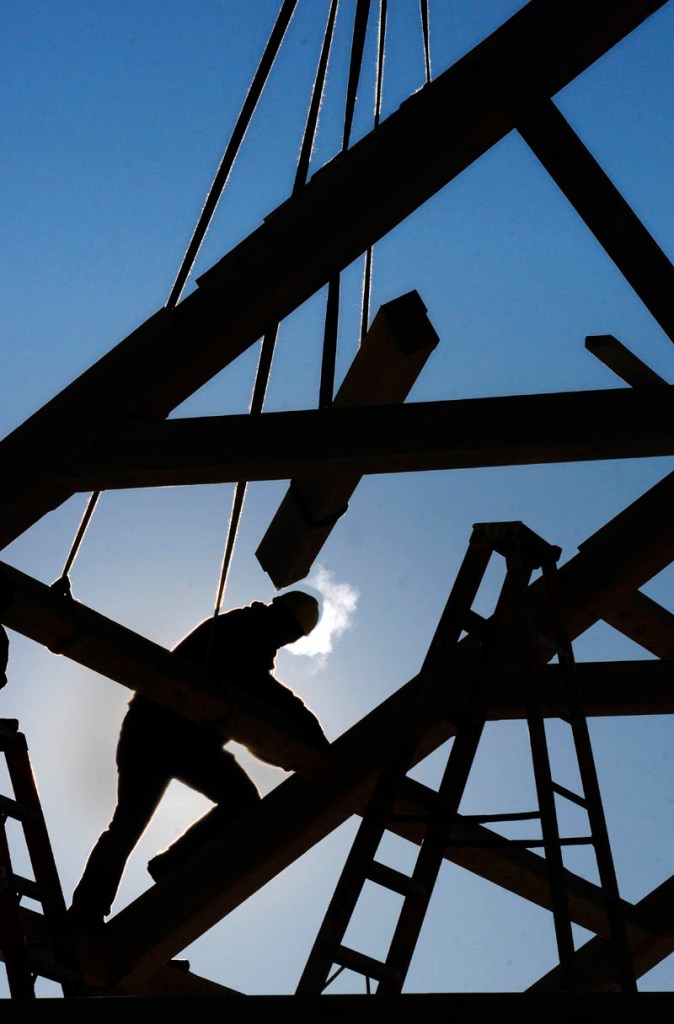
4	656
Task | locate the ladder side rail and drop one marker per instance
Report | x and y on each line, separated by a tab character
591	790
12	939
363	850
379	808
454	779
431	856
41	855
450	791
519	576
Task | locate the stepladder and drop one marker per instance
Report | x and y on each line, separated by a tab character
35	944
524	633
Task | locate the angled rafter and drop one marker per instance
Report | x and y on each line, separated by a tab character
635	615
655	913
347	206
594	197
643	620
622	361
342	443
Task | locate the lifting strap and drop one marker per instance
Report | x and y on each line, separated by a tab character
227	162
423	4
269	340
511	640
369	252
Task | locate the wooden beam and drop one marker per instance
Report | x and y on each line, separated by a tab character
393	354
407	1008
622	361
645	621
173	979
609	689
353	201
635	615
656	914
340	444
594	197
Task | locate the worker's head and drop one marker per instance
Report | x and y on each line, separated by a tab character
298	611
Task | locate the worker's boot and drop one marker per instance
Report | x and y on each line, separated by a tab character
160	866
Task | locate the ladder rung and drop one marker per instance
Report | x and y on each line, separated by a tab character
474	623
493	840
365	965
22	812
515	816
395	880
427	798
52	971
529	844
575	798
34	890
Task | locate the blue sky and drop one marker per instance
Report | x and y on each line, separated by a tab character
114	121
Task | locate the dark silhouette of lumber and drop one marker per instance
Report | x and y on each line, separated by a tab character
325	446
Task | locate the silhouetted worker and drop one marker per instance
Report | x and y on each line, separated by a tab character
157	745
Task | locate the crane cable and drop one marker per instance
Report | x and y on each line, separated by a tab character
243	121
369	252
269	340
331	322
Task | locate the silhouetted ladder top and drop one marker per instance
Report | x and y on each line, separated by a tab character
53	956
525	631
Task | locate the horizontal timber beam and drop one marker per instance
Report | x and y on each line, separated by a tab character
412	437
351	203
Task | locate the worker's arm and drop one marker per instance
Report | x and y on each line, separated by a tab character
4	655
271	690
6	593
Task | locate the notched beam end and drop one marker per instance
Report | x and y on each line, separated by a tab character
384	370
622	361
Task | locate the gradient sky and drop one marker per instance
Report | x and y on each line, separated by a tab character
114	120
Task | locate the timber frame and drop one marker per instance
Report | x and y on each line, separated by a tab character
96	435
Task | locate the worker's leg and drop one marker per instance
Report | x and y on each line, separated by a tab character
142	781
221	778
